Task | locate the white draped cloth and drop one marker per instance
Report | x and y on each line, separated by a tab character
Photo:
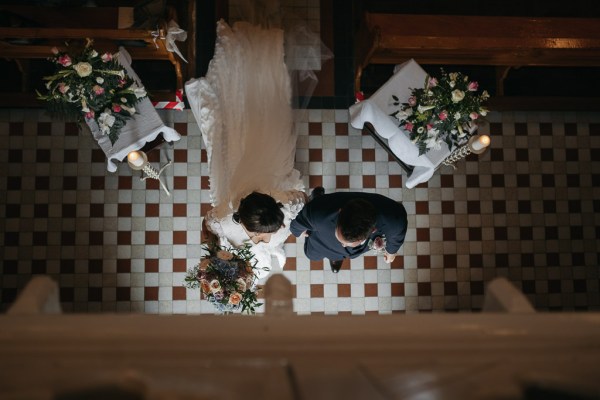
244	112
377	109
143	127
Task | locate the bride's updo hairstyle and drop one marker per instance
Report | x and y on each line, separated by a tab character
259	213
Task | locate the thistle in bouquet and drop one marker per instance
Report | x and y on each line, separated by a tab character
445	110
91	86
226	276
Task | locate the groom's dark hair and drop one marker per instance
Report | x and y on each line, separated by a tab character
260	213
356	220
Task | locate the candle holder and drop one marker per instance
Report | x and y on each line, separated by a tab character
463	151
148	171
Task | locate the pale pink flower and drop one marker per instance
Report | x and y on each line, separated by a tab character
433	82
106	57
378	243
215	286
473	115
98	90
116	108
235	298
412	101
443	115
90	114
429	127
63	88
408	126
64	60
472	86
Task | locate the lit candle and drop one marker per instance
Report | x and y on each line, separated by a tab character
481	142
135	159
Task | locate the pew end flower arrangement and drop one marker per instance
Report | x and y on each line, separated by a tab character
226	277
91	86
443	111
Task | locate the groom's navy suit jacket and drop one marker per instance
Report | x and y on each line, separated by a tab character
319	219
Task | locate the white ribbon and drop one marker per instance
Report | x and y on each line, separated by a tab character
174	32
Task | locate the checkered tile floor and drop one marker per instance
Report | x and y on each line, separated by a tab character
527	209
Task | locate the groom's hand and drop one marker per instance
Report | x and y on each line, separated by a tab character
388	258
305	234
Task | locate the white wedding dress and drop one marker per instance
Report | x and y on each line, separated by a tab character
244	112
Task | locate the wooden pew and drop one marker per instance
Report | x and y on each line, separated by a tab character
98	23
503	42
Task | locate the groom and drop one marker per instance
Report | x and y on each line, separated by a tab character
347	224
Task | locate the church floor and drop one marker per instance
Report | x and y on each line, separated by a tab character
527	209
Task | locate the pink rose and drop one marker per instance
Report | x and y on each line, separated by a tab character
433	82
63	88
116	108
122	82
98	90
359	96
429	127
443	115
64	60
378	243
89	115
106	57
473	115
412	101
473	86
408	126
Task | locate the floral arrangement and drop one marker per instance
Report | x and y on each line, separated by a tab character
377	244
445	110
226	278
90	86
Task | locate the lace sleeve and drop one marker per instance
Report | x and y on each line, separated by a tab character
214	225
293	201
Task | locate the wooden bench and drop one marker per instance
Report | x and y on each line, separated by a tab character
99	23
503	42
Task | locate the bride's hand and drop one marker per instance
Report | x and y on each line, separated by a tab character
206	236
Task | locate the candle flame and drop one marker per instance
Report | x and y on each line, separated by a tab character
485	140
132	156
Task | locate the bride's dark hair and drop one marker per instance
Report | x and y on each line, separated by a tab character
259	213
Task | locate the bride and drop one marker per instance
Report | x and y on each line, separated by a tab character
243	109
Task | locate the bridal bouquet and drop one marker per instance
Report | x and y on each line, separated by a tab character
445	110
90	86
226	278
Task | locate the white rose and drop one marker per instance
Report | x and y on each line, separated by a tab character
123	100
483	112
100	80
402	115
457	95
139	93
452	83
457	115
94	53
432	142
106	119
83	69
130	110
